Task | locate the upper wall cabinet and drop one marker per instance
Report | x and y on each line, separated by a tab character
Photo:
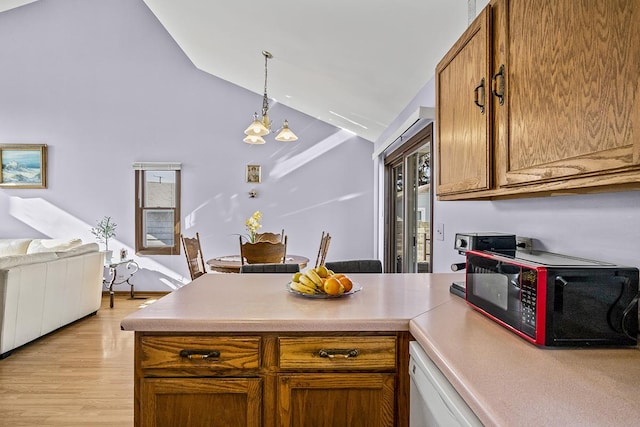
463	114
563	101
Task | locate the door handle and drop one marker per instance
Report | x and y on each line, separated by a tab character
497	84
476	92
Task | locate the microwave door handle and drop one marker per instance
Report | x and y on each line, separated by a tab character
561	283
625	313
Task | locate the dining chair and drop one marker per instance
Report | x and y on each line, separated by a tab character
270	237
270	268
193	252
263	252
324	247
355	266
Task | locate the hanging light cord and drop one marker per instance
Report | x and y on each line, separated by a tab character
265	99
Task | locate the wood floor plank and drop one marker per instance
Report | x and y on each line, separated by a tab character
80	375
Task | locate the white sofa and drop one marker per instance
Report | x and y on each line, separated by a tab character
46	284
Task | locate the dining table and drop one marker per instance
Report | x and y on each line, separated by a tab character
232	263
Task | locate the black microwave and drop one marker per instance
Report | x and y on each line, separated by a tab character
555	300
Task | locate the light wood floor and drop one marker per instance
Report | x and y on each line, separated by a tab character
81	375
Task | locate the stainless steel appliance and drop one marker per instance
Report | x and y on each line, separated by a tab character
494	242
555	300
488	241
432	399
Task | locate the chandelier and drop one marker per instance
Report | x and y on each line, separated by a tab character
261	126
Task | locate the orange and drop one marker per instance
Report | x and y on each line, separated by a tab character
346	282
337	275
332	286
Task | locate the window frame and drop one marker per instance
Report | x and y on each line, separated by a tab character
140	210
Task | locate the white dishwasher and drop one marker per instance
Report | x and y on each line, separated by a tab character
433	400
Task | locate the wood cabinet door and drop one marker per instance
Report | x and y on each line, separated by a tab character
328	400
201	402
573	91
464	112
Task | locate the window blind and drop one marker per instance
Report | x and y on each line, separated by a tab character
157	166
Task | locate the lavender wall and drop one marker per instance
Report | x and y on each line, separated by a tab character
104	85
598	226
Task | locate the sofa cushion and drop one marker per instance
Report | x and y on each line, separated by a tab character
52	245
78	250
15	260
13	246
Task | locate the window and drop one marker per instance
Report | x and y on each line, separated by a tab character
157	208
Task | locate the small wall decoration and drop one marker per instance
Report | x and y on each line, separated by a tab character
23	165
253	174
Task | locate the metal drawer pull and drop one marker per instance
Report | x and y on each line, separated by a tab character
200	354
475	96
331	354
497	86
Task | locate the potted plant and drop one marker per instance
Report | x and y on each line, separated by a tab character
104	230
253	225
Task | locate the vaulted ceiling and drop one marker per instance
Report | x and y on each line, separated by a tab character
352	63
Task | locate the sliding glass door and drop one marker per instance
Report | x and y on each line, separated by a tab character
408	208
395	215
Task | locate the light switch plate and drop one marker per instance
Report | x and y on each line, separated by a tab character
440	232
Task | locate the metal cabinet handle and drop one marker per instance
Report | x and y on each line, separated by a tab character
200	354
497	86
331	354
476	90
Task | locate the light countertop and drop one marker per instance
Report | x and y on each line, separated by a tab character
261	303
505	380
508	381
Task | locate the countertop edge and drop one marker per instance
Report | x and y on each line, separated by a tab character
282	325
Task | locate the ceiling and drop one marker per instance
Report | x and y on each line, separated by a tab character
355	64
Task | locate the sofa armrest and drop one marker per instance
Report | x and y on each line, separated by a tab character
78	250
8	262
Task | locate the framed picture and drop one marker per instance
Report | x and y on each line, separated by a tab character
253	174
23	165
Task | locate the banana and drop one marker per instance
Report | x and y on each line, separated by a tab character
299	287
296	277
311	273
306	281
322	271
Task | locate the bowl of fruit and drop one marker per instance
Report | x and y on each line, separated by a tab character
320	282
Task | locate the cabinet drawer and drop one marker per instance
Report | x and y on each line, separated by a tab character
348	353
216	353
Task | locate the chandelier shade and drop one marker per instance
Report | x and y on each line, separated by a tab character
261	125
254	139
285	134
257	128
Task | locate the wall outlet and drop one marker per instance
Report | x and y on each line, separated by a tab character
440	232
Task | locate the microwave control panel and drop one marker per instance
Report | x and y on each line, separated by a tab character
528	299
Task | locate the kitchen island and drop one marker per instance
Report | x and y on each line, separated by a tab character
242	350
252	347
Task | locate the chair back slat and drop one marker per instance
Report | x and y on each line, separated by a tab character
270	237
270	268
263	252
195	258
355	266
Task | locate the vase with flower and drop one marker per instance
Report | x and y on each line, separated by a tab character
253	225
